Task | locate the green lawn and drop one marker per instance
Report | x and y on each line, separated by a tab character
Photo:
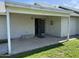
69	49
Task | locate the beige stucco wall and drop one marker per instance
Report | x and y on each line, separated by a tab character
77	25
55	29
3	30
21	25
73	25
64	26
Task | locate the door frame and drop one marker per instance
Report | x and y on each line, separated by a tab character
39	27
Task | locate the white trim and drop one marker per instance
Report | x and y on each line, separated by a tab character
38	14
8	33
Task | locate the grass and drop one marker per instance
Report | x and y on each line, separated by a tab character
69	49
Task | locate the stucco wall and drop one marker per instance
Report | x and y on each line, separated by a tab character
64	26
21	25
55	28
3	30
25	25
73	25
77	25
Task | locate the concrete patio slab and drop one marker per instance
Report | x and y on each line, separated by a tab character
23	45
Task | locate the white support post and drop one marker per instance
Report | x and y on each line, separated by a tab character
8	33
68	36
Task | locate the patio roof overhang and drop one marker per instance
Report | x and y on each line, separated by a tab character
75	14
36	10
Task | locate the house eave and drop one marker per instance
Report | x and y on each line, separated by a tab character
74	14
21	5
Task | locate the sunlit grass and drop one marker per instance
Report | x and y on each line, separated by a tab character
69	49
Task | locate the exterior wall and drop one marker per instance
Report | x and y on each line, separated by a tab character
21	25
3	29
64	26
55	28
24	25
73	25
77	25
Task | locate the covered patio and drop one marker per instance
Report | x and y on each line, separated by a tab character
21	34
24	45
